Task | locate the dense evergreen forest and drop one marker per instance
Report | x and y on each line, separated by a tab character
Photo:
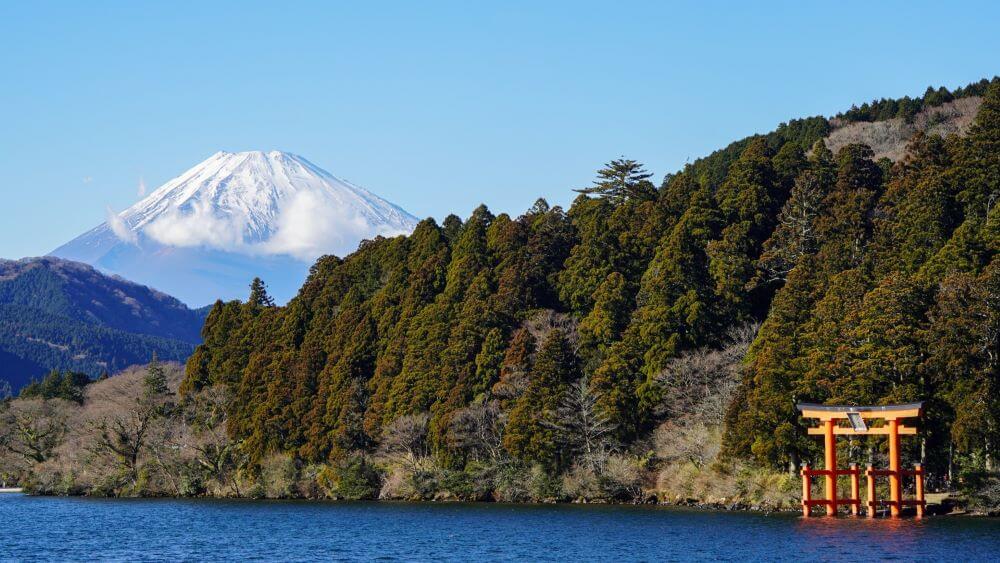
906	107
649	342
872	283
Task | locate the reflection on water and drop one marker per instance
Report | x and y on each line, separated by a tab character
61	529
890	538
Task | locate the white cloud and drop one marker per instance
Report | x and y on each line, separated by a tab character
197	227
141	191
88	179
119	228
309	226
306	226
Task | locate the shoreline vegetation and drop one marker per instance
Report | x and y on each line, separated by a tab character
132	435
646	345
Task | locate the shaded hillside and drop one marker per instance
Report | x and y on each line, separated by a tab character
553	338
57	314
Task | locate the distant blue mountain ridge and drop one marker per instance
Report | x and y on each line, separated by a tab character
59	314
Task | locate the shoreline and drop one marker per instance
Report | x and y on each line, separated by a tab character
933	510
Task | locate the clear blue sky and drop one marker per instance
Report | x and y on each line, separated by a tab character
435	106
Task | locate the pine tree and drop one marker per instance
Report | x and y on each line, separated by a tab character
417	280
675	311
591	260
762	423
887	350
609	317
795	235
749	192
977	165
489	361
582	430
845	226
155	382
675	305
72	385
515	367
516	288
451	227
621	180
788	163
918	212
675	195
529	435
748	199
258	294
963	340
550	241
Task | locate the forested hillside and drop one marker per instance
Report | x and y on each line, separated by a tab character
552	338
57	314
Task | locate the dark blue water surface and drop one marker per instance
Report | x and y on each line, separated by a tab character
197	530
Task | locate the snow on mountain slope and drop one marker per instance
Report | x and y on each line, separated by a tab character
207	233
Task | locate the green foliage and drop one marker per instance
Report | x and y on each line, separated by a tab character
982	490
748	200
897	300
354	478
609	317
155	382
591	260
795	235
489	361
711	170
873	282
530	435
66	385
906	107
258	294
621	180
56	314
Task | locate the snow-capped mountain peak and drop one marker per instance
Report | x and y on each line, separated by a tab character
241	197
259	205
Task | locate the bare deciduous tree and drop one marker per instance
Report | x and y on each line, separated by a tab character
581	428
696	442
123	437
203	434
478	429
32	429
122	418
700	383
405	439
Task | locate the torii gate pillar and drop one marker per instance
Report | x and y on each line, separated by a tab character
830	447
895	495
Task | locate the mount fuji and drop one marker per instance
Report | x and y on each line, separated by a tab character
207	233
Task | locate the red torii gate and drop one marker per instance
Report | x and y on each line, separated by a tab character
830	416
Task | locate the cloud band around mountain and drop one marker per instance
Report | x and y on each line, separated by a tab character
307	226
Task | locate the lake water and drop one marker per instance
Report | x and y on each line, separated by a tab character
62	529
